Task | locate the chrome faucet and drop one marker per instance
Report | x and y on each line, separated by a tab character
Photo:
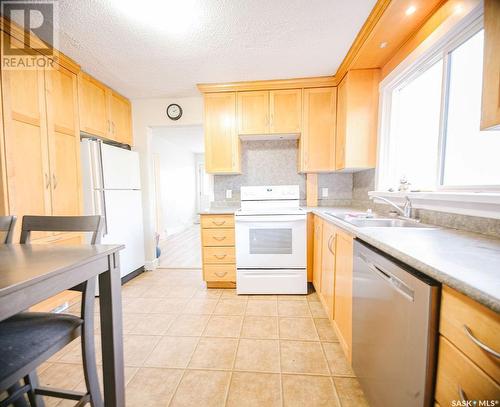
404	211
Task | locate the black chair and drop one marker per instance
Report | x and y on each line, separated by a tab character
30	338
7	224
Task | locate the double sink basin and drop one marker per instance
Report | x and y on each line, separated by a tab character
376	222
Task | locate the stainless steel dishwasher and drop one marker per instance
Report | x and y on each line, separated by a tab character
395	316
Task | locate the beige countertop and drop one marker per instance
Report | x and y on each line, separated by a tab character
228	210
467	262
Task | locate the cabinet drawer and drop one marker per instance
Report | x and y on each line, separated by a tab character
217	221
217	237
467	325
219	255
223	272
458	378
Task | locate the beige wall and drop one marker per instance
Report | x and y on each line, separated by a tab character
148	113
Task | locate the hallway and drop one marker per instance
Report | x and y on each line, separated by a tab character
182	250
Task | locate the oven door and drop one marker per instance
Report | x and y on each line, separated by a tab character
271	241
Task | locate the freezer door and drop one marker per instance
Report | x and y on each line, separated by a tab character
125	226
120	168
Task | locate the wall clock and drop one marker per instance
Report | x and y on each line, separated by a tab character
174	111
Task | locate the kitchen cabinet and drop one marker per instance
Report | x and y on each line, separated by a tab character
357	115
317	247
327	286
222	145
286	111
103	112
317	142
343	291
218	251
253	112
490	110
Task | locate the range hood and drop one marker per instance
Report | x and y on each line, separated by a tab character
269	137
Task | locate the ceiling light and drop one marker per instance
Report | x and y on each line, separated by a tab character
458	9
171	16
410	10
383	44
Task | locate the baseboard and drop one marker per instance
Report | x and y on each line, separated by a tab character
134	273
151	265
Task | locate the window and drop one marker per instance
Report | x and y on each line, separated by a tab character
430	133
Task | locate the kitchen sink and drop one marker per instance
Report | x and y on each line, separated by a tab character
378	222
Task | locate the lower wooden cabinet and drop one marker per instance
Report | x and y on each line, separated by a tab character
317	250
218	251
327	288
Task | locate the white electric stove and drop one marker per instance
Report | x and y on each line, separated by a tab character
271	240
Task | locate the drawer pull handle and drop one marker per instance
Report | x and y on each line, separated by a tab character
219	238
461	394
219	274
218	223
484	347
220	257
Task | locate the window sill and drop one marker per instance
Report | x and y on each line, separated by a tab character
483	204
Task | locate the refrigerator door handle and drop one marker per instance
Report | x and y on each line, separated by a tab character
100	208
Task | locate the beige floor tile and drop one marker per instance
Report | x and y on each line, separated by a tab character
293	309
158	290
230	307
336	359
260	327
311	391
170	305
298	328
258	355
152	324
209	293
254	389
183	292
152	387
224	326
350	392
71	347
313	297
136	348
139	305
74	353
230	293
325	330
62	375
292	298
200	306
262	308
317	309
202	388
173	352
214	353
303	357
134	290
188	325
262	297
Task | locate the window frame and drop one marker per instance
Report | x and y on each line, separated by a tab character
438	46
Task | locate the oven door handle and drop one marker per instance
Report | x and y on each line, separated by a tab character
270	218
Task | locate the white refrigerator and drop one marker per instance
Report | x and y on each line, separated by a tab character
112	188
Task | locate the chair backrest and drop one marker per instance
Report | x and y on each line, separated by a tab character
7	224
61	224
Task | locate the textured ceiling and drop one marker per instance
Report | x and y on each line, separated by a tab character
156	48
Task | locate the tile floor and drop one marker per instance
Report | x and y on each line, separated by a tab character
185	345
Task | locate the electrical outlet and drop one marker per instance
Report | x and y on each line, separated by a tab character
324	192
229	193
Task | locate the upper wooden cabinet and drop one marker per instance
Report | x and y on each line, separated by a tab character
490	111
253	112
103	112
222	146
357	115
317	142
270	112
286	111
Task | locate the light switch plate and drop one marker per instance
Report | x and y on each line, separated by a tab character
229	193
324	192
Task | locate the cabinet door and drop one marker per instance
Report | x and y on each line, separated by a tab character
221	141
64	141
317	143
25	136
121	118
253	112
318	242
286	111
341	126
343	290
328	268
93	105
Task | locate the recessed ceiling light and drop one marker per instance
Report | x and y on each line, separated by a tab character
410	10
458	9
383	44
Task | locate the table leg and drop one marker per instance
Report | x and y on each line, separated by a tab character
111	334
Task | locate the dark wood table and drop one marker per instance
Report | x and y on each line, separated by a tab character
32	273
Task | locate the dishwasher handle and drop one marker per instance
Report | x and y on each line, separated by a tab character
395	282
